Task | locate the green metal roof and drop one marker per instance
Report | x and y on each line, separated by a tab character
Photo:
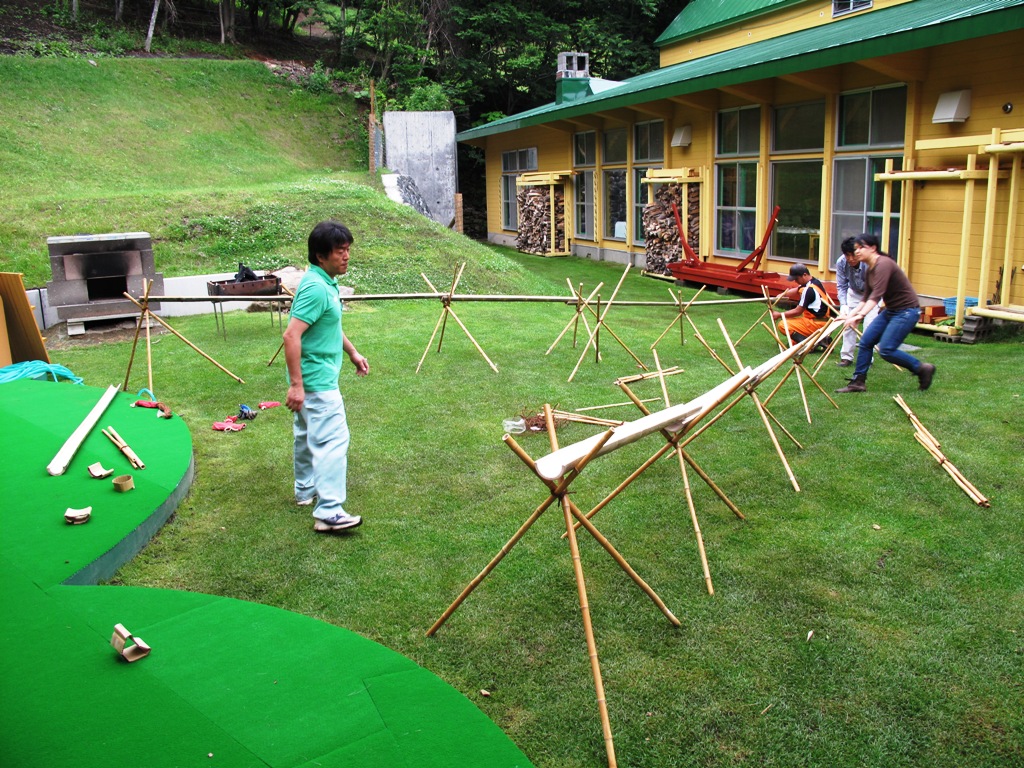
907	27
701	16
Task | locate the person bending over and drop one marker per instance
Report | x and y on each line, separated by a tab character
887	283
811	311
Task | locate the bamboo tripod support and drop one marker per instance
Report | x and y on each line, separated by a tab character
600	317
442	320
578	315
148	313
798	363
932	445
558	491
680	312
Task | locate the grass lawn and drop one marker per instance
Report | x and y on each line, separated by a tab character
913	593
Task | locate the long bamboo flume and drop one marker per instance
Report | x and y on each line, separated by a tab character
930	444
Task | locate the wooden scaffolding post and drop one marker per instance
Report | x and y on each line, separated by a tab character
573	518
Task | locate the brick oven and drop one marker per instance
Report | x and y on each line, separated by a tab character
92	272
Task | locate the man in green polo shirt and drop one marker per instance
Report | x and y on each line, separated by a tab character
313	342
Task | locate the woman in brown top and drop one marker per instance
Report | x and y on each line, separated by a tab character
886	282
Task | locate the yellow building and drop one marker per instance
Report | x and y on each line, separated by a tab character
900	117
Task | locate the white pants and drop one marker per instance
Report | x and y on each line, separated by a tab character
849	350
321	452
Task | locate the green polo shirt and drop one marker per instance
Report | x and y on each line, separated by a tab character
317	303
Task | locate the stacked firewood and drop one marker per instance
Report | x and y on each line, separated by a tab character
535	220
661	233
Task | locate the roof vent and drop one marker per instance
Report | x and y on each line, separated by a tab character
573	64
953	107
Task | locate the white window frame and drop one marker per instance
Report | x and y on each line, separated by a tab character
843	7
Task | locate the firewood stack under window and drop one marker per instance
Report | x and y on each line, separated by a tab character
535	220
661	234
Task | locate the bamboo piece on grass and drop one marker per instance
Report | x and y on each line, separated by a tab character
583	419
164	323
59	463
931	444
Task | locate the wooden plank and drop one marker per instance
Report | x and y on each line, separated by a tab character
25	341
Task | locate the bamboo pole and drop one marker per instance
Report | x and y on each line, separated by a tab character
931	444
575	320
600	322
149	343
581	589
131	357
687	491
193	346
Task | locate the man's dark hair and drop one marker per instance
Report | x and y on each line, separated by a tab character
848	245
325	237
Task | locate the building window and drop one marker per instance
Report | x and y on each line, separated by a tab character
839	7
857	202
796	189
584	148
873	118
736	208
614	146
615	208
512	164
640	194
739	131
584	201
799	127
649	142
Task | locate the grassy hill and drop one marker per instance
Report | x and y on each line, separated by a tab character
220	161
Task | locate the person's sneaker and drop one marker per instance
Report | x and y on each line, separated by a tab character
305	502
340	522
845	363
926	374
857	384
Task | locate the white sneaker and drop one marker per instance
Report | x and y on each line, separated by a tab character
340	522
305	502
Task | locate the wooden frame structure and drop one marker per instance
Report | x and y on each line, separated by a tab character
999	143
552	179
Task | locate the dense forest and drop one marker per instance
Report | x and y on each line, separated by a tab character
479	58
